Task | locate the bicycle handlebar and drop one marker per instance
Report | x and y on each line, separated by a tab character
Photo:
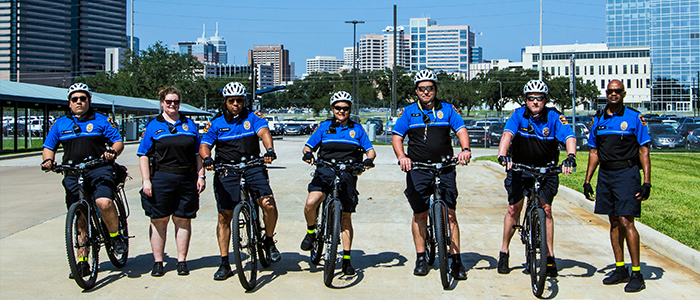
353	167
81	167
447	163
240	167
537	171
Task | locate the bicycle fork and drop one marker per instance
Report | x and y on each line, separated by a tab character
328	235
446	220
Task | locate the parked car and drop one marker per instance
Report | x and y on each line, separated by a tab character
581	132
293	129
693	140
495	132
665	136
378	125
469	122
478	137
686	128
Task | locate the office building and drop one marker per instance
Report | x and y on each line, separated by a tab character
347	57
204	52
113	59
224	70
438	47
219	45
403	52
275	55
53	42
265	76
371	52
137	43
328	64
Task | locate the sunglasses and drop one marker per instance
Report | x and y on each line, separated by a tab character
342	108
80	98
429	88
172	128
616	91
533	98
172	102
237	100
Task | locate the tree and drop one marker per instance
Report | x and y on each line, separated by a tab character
560	92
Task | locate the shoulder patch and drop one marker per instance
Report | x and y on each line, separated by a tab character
641	118
511	114
206	128
563	120
259	114
401	112
456	110
111	123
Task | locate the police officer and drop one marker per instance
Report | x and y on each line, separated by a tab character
535	132
618	140
427	123
236	133
85	135
169	150
342	140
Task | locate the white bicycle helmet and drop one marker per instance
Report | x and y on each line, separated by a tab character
535	86
233	89
341	96
424	75
79	87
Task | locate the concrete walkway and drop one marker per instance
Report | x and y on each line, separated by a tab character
33	262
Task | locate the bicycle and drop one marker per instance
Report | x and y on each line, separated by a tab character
438	232
247	231
86	245
533	232
328	221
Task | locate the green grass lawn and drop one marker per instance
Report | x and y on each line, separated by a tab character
9	144
673	208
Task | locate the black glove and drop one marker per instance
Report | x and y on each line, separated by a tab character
308	156
368	163
570	161
504	160
208	162
644	191
270	153
111	151
43	162
588	190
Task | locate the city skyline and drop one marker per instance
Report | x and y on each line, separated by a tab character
317	28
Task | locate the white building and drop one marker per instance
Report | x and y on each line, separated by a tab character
328	64
219	45
347	57
403	52
113	59
371	52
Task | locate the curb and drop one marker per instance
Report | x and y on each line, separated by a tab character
657	241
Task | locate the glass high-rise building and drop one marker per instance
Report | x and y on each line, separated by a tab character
671	28
441	48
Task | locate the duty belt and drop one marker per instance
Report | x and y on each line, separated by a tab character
175	170
618	164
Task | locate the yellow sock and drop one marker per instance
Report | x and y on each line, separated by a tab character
620	264
346	256
82	258
311	231
113	234
636	269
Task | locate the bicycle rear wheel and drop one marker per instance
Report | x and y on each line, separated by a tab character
119	260
81	248
332	246
244	253
430	243
263	254
317	246
440	236
538	252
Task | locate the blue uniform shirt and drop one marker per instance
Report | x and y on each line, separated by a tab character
428	131
618	136
536	140
176	147
82	138
234	137
340	142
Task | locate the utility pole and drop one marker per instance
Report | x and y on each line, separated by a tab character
572	67
132	28
393	73
539	65
354	23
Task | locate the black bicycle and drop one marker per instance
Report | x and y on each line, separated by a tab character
328	221
247	229
85	230
533	232
438	233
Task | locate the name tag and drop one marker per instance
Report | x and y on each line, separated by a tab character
415	115
224	129
67	132
159	131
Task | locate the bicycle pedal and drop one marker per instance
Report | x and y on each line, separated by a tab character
517	227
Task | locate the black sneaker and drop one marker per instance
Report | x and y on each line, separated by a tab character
458	271
118	244
83	268
223	273
272	251
620	275
552	267
503	263
182	268
421	267
347	268
636	283
308	241
157	269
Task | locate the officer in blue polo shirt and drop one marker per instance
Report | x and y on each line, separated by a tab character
618	140
236	132
535	132
427	124
342	140
85	135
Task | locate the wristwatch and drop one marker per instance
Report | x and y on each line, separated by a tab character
466	149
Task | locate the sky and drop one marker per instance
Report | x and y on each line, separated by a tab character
317	28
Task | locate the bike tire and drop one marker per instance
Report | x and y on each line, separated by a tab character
244	253
538	252
430	243
263	254
440	236
79	242
332	247
119	260
317	246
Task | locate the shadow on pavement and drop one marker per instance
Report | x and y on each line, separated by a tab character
471	259
564	264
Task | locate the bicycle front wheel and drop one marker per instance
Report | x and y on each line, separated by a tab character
119	260
332	246
430	243
317	246
441	238
244	253
82	249
538	251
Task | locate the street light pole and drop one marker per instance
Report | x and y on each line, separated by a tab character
500	88
539	65
354	64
